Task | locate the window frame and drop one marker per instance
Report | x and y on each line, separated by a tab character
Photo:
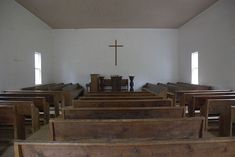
195	67
37	68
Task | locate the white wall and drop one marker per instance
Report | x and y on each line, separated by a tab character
21	33
212	34
151	55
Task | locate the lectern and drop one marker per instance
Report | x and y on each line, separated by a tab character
116	82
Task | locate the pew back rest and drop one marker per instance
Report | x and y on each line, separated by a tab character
123	113
7	114
122	103
142	148
181	128
188	97
119	98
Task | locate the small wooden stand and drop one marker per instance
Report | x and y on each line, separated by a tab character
101	83
94	83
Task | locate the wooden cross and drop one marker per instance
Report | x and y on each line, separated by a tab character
116	46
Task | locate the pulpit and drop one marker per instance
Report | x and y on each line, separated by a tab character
115	83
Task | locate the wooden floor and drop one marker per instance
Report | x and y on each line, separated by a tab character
8	152
6	145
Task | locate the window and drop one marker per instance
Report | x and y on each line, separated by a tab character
194	66
38	68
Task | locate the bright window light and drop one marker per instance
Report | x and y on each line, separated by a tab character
194	68
38	68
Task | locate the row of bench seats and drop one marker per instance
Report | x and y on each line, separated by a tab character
35	104
126	124
137	124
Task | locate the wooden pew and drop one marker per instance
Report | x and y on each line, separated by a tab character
232	116
48	86
70	95
25	108
58	87
222	107
57	97
9	116
39	86
156	89
122	103
123	113
199	101
218	147
64	94
188	86
177	87
119	98
119	94
199	87
182	86
39	102
171	88
180	93
173	128
48	97
70	92
159	91
188	97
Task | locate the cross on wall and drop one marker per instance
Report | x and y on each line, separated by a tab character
116	46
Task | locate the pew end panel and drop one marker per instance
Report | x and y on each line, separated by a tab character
9	116
222	107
